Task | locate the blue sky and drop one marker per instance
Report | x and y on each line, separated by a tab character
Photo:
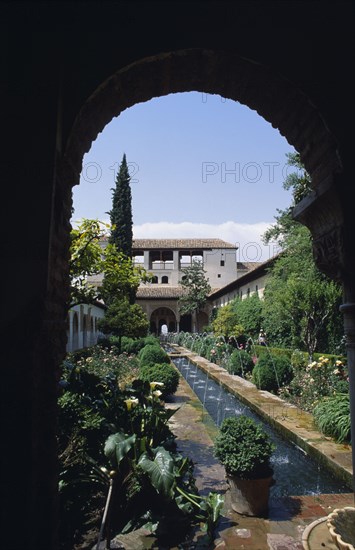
201	166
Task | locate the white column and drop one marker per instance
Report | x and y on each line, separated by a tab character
147	265
70	336
176	260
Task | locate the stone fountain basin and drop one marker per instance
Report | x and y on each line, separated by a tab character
341	525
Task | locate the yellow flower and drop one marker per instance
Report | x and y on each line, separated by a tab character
338	363
157	393
131	403
313	364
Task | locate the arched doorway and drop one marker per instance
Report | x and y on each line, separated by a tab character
162	316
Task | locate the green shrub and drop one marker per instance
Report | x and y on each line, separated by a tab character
240	363
244	448
332	416
134	345
275	352
272	372
152	354
164	373
299	359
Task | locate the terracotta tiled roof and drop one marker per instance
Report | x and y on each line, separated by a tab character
146	244
159	291
247	266
162	291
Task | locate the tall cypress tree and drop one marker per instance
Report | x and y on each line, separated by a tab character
121	213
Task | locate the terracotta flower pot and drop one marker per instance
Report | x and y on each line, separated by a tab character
250	497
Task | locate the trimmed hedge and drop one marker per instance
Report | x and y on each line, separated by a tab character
164	373
275	352
271	373
134	345
152	354
240	363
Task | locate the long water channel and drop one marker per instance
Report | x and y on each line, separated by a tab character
295	472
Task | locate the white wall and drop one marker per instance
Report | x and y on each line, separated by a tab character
82	326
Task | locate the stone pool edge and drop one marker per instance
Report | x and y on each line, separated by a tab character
287	419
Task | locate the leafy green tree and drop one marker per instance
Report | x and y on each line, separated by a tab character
227	323
248	312
300	183
121	277
87	259
304	299
124	319
300	303
121	212
197	289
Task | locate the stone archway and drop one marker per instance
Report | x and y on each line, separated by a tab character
282	104
285	106
50	75
216	72
163	316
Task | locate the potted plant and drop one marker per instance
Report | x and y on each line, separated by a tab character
245	449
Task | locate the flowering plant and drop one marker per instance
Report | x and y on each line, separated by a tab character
318	379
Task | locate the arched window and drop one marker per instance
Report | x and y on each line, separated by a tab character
155	280
165	279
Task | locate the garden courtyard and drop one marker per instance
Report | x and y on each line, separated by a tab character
133	430
232	433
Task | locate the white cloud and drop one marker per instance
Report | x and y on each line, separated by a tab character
247	237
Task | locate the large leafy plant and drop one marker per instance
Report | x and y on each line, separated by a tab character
332	416
159	488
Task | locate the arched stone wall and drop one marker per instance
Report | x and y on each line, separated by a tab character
57	56
275	98
217	72
163	315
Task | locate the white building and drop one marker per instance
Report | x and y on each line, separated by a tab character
82	328
253	281
166	258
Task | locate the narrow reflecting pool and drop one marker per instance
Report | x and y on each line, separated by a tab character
294	471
